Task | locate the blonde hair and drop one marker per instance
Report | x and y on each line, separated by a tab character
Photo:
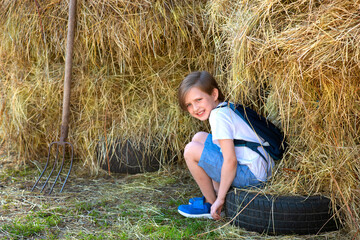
202	80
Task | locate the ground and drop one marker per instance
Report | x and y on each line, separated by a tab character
141	206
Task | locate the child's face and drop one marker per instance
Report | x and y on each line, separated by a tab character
199	104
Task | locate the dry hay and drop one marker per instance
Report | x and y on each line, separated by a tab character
295	61
129	57
298	62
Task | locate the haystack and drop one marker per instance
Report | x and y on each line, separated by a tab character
298	63
129	57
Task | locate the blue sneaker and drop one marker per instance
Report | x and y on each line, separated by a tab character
196	199
197	209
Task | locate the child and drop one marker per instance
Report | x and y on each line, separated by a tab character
213	160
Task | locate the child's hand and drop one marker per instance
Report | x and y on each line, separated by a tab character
216	209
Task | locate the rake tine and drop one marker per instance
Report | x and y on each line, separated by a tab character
55	163
71	162
61	167
47	163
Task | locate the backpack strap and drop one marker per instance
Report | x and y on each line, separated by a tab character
243	143
252	145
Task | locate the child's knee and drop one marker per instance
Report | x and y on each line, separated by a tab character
192	151
200	137
188	150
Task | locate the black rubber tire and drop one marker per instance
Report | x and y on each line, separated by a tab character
280	215
126	157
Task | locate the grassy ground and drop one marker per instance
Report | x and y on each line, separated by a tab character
142	206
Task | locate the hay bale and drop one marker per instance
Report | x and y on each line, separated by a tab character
298	63
129	58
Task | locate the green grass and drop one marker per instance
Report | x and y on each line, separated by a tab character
34	224
22	230
142	206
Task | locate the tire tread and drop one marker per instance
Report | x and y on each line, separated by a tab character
280	215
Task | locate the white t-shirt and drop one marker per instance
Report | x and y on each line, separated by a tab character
226	124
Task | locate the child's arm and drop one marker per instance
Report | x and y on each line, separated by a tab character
228	172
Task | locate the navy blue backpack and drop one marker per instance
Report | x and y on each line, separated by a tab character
275	143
